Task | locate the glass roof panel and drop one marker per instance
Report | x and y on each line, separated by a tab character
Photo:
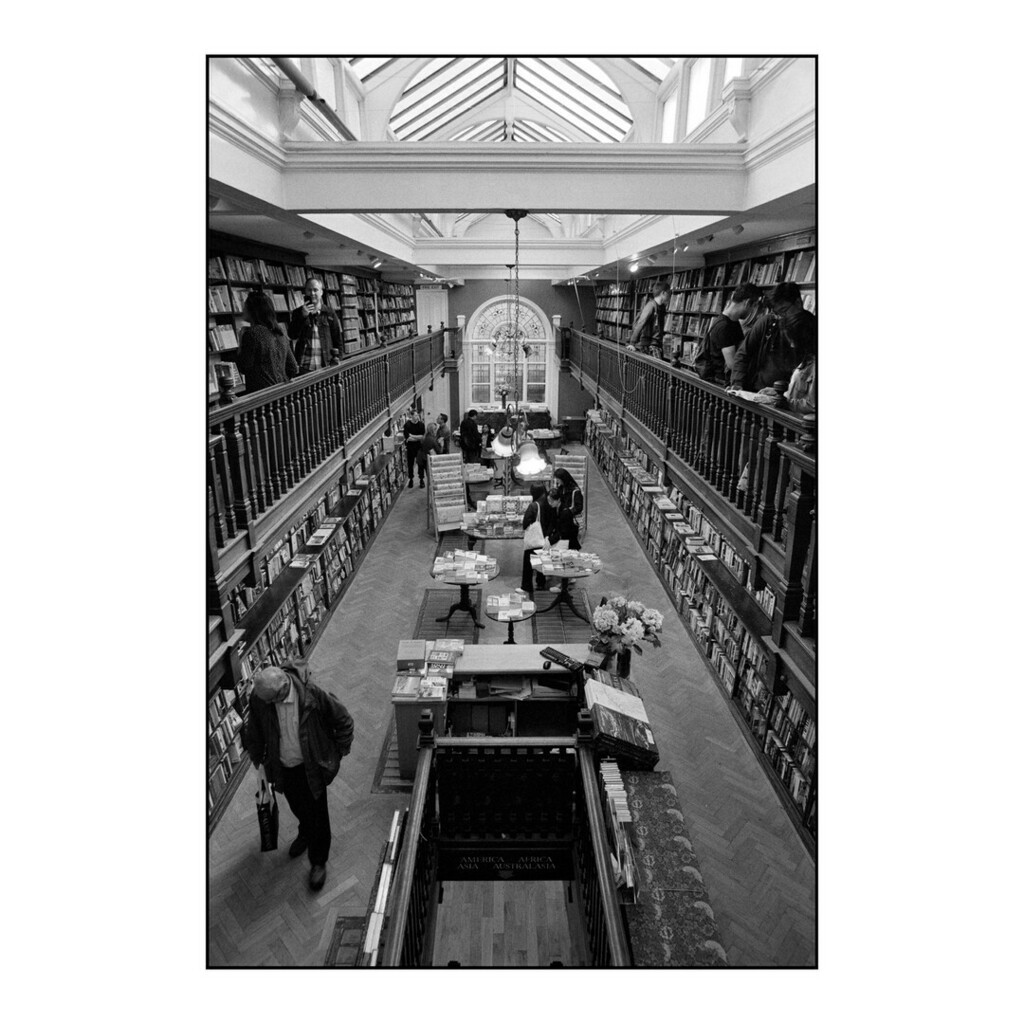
656	67
545	131
364	67
445	78
436	110
562	88
542	91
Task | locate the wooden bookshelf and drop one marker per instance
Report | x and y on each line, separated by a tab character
699	293
297	586
727	608
616	310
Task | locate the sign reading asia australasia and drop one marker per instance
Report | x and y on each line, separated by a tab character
501	863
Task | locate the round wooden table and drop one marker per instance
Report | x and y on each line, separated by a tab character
463	604
516	614
564	573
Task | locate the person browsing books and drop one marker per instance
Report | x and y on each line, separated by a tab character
298	733
469	438
649	328
428	447
537	511
413	430
570	506
444	433
315	329
717	348
264	355
777	343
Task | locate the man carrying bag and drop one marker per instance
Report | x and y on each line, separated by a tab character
299	733
266	813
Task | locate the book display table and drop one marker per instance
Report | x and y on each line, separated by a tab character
463	569
566	566
510	608
490	692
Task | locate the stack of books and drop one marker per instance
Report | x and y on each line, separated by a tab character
622	728
464	567
554	561
510	607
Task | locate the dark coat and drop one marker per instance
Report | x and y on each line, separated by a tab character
325	732
469	435
300	330
265	358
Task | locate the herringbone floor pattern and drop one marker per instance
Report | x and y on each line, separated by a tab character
761	881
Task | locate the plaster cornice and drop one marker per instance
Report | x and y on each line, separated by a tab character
762	76
560	157
797	132
226	124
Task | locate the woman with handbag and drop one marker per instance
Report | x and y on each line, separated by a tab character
534	534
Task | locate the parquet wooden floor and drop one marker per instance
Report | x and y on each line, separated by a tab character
761	881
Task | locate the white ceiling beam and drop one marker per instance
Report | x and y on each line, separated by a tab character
384	91
477	177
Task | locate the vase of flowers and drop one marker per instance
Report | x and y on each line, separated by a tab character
620	626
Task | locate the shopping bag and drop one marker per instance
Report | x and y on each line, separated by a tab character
266	813
533	538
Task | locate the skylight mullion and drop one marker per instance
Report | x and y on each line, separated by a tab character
577	122
380	67
459	109
410	102
590	96
417	82
520	129
566	112
611	96
581	104
558	98
451	100
479	130
462	104
546	132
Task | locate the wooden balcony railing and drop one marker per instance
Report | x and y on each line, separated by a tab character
263	445
755	463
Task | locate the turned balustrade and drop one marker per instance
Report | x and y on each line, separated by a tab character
261	446
757	459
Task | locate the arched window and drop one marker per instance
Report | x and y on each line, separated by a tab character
491	369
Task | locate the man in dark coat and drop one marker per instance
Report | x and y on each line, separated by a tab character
299	734
469	438
777	343
649	328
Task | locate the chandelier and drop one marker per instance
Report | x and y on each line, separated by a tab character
508	343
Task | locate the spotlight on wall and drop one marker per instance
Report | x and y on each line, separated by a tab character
634	267
377	263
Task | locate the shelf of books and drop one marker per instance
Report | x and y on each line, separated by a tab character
396	311
727	610
299	580
615	310
699	294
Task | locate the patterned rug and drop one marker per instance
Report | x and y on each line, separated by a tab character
343	950
436	602
672	923
561	626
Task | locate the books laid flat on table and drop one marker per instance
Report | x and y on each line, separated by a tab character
321	536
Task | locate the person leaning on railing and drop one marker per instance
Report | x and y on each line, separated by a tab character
649	328
777	343
264	355
715	353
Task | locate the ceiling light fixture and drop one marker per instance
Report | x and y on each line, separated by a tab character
737	229
377	263
308	234
634	267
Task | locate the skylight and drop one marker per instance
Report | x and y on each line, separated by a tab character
366	67
656	67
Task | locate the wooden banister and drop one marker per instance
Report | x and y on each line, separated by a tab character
264	445
752	465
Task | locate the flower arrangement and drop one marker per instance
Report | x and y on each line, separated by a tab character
621	625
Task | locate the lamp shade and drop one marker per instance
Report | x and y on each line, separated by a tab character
504	443
530	461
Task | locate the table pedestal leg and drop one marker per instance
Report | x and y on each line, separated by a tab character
564	597
511	633
462	605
